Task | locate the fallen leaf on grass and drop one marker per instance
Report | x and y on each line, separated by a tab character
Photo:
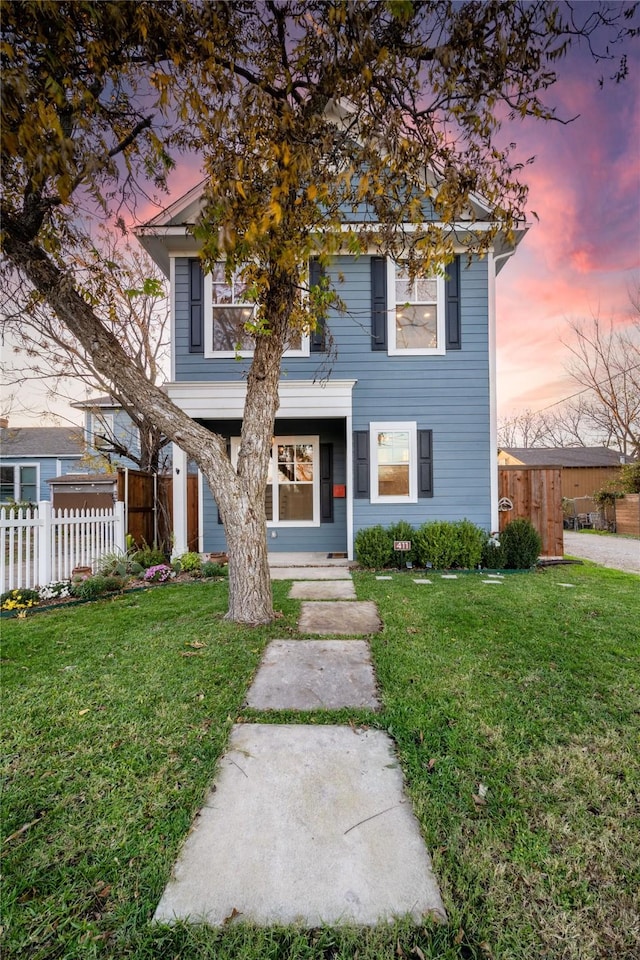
429	766
459	937
23	829
418	952
196	644
479	801
189	653
234	913
81	713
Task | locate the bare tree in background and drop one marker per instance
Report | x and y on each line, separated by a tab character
605	362
129	294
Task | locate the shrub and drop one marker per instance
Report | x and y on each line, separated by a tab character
149	556
521	544
470	541
630	477
114	584
190	562
493	553
91	588
373	547
20	599
435	544
403	531
210	569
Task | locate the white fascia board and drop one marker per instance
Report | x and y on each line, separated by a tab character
299	399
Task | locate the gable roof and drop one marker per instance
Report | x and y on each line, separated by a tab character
105	400
566	456
41	442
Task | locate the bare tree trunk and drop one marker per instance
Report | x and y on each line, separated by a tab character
240	495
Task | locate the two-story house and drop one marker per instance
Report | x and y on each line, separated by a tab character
387	413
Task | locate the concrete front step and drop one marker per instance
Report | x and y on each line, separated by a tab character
314	675
306	825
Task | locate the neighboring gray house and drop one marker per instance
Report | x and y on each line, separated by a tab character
30	456
109	431
403	428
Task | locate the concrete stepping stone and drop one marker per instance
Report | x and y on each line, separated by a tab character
323	590
314	675
310	573
421	581
306	825
384	578
493	581
339	617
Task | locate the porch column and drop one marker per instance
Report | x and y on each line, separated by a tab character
180	539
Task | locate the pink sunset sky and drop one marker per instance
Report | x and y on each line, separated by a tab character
581	256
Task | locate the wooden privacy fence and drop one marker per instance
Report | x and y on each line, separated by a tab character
40	545
534	494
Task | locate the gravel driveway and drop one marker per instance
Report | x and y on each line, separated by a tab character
619	553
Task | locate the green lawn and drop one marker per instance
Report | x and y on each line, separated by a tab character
115	713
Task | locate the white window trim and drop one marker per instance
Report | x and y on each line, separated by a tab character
315	442
392	426
211	354
396	351
17	480
105	423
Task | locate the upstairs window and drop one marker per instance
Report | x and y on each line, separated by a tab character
230	310
417	313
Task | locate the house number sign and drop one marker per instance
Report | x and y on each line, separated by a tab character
402	545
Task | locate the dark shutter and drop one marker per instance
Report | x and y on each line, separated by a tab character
378	303
361	464
425	463
196	307
326	483
452	286
317	339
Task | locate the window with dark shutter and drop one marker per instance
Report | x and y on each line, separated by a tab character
326	483
378	303
317	339
361	464
196	307
425	463
452	316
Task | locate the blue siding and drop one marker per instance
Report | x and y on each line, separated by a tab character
48	469
447	394
328	537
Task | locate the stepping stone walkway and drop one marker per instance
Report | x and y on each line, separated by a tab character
307	824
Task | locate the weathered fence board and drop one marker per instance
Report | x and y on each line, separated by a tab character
628	515
535	494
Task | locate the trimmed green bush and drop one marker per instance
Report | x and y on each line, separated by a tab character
403	531
445	544
521	544
373	547
492	553
470	543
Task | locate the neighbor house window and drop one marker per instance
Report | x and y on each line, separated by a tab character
417	314
292	496
393	462
18	482
227	303
102	431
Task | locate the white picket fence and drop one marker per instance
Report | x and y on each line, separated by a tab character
40	545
